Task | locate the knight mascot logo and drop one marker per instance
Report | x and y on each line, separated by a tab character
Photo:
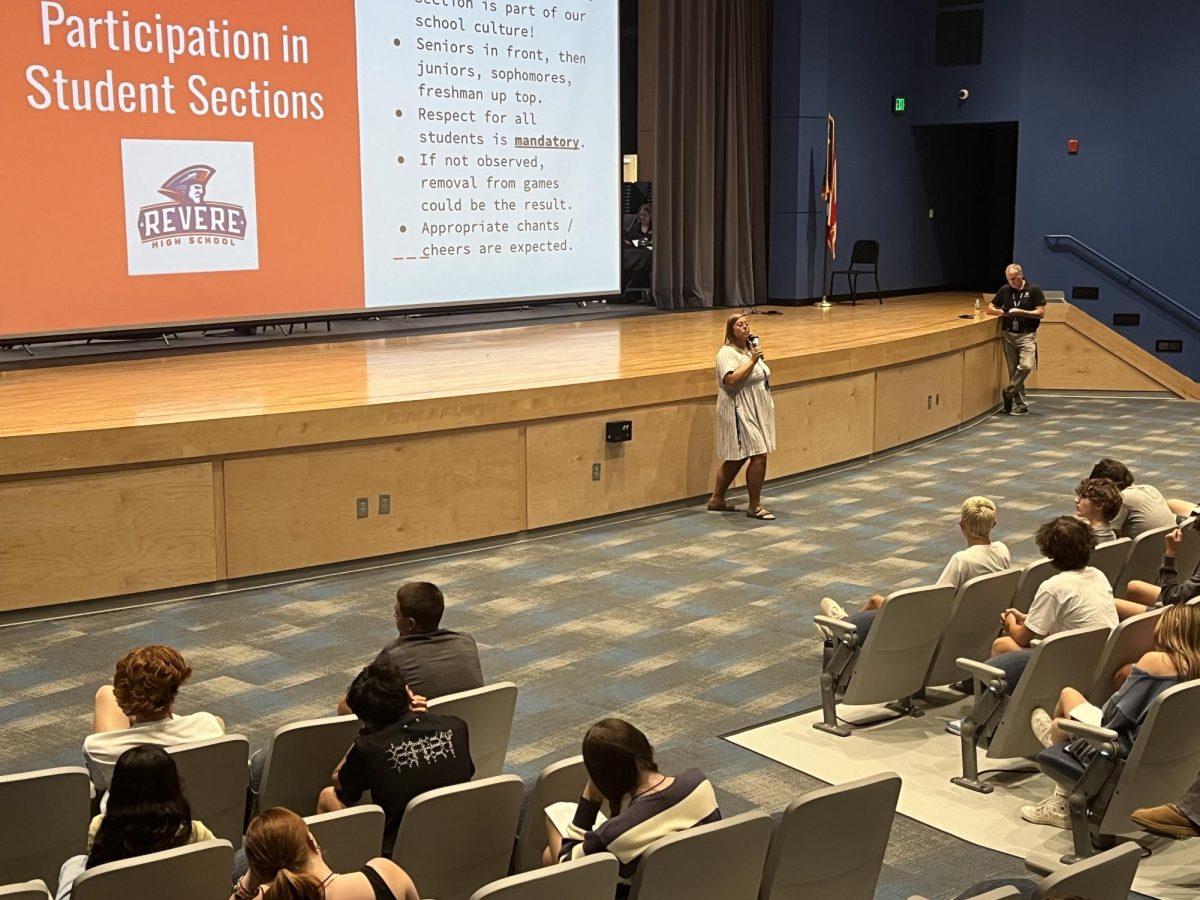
190	215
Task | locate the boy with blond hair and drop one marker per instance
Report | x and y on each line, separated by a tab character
982	556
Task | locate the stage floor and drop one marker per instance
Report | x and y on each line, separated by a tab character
147	474
253	384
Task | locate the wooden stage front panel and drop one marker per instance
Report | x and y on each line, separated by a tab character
130	476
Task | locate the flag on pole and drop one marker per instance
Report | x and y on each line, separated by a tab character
829	188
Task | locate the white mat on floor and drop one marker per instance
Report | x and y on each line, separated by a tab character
925	757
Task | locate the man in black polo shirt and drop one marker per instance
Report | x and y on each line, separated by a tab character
1022	304
398	753
432	661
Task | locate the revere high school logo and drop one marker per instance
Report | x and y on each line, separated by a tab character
207	223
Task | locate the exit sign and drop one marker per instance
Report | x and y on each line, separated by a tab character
898	103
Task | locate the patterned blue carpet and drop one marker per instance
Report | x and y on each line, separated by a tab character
688	623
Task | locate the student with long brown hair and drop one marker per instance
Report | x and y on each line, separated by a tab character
1175	658
645	803
286	864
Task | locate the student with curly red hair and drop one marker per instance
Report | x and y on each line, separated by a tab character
138	708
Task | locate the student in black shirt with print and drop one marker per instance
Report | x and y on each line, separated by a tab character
1022	304
398	753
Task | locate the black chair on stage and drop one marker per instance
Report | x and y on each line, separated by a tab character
864	260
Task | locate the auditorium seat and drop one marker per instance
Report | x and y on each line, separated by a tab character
1187	560
999	722
348	838
973	625
193	872
27	890
890	667
454	840
592	878
301	760
35	845
720	861
1105	876
215	775
1032	577
1000	893
558	782
1143	560
831	842
1160	767
488	712
1110	557
1128	642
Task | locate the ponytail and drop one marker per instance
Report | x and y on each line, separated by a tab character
289	885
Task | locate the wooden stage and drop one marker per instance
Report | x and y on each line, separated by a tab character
121	477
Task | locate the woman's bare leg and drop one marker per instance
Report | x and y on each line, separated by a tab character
553	844
1068	699
726	472
756	474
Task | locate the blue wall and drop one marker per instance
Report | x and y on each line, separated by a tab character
1122	78
846	57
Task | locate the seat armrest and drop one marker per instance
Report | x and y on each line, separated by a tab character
1091	733
980	670
841	626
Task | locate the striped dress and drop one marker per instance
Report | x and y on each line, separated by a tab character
745	412
688	801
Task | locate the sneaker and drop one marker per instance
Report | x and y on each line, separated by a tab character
966	686
1051	811
1009	393
831	609
1040	722
1021	411
954	727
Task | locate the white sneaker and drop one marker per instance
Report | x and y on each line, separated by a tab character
954	726
831	609
1040	722
1051	811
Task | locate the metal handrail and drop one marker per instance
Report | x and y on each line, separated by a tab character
1130	278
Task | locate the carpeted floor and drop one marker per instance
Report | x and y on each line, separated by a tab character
925	757
688	623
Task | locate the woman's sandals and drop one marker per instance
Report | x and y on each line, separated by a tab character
759	512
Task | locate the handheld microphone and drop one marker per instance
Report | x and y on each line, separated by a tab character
752	340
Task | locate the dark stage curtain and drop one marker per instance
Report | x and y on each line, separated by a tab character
710	163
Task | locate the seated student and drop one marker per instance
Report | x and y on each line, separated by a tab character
1175	658
645	804
1143	507
432	661
398	753
1141	596
982	556
147	812
1098	502
286	863
138	708
1079	596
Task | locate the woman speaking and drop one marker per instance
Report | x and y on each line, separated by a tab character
745	416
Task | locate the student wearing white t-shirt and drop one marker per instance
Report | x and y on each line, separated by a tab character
137	708
982	556
1078	596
